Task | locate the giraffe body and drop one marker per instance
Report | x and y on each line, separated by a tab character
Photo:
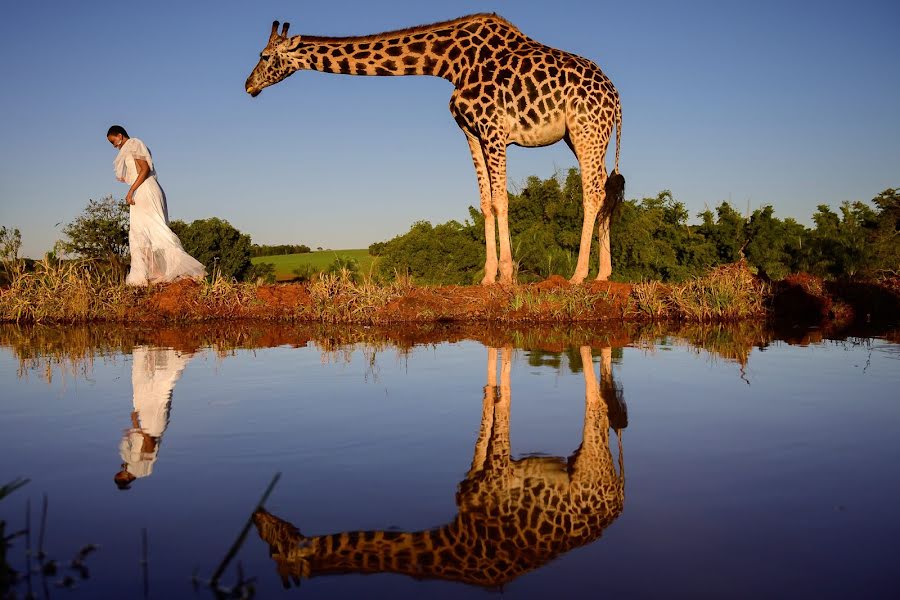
509	89
514	515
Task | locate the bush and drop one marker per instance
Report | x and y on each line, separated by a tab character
261	273
217	244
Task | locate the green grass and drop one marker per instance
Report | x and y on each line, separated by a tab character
286	263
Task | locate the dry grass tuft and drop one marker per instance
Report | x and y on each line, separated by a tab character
69	291
727	293
339	298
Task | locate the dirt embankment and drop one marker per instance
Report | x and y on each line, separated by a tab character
728	293
798	300
803	301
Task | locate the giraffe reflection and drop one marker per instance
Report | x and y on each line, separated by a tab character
514	515
154	372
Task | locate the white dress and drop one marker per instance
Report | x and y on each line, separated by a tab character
153	376
156	252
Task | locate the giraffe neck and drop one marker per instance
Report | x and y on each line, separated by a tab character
447	50
408	553
454	552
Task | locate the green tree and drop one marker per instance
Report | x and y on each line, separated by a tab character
768	248
651	239
261	273
100	233
885	234
444	254
726	231
278	249
842	242
10	244
218	245
545	227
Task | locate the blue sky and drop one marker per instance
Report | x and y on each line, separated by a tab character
792	104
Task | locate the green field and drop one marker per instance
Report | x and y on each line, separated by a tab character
286	263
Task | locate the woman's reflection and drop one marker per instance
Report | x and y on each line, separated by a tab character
154	372
514	515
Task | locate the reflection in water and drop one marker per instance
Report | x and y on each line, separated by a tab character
153	375
514	515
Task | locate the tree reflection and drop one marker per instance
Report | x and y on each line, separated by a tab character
515	515
154	372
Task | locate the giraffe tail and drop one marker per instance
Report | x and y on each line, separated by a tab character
615	183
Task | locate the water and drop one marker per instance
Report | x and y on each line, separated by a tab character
705	462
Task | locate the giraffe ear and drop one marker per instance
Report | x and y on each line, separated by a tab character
284	29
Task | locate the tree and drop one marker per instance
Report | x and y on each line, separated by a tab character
444	254
278	249
843	242
651	239
217	244
885	235
100	233
769	248
10	243
545	226
261	273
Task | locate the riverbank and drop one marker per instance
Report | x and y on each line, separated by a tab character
74	293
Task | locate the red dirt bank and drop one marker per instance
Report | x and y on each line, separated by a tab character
799	299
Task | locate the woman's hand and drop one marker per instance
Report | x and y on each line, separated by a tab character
143	169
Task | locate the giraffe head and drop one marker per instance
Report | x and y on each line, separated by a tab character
275	61
290	549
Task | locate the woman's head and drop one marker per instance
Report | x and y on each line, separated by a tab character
117	135
123	478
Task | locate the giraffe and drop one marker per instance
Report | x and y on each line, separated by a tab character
515	515
509	89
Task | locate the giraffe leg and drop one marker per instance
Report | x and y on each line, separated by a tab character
500	449
487	414
605	258
593	180
484	187
594	452
495	157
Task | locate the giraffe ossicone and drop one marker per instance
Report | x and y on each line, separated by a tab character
509	90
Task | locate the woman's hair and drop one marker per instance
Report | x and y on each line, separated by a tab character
116	130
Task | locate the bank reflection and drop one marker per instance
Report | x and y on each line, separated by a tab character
154	372
515	515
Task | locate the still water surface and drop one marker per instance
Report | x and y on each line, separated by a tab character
446	464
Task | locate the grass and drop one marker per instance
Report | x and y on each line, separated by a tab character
78	291
320	260
726	293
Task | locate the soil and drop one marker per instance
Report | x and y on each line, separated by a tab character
802	300
798	302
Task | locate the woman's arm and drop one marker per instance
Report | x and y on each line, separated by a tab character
143	170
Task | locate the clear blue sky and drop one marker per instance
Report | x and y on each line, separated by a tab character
792	104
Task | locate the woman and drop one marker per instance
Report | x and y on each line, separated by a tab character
154	373
156	252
